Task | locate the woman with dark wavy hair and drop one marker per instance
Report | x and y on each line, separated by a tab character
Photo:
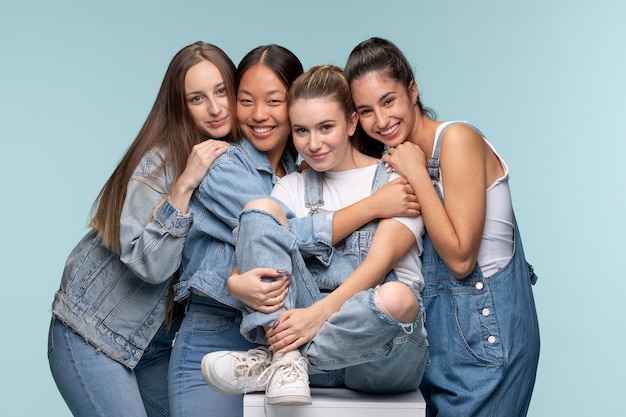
480	311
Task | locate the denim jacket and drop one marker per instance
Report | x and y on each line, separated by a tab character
238	176
117	303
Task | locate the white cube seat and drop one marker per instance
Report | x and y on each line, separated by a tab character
330	402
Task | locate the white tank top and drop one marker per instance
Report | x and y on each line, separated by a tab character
496	246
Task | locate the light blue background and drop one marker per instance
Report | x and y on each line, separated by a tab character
544	80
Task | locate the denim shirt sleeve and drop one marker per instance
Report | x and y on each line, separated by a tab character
314	233
152	230
232	181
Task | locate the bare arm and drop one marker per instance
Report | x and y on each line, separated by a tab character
395	199
455	228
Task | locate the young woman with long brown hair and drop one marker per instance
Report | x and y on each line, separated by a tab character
109	343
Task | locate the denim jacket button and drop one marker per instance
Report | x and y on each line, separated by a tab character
150	321
127	355
485	312
478	286
491	339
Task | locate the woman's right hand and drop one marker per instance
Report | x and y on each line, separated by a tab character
198	162
200	159
396	199
254	289
405	157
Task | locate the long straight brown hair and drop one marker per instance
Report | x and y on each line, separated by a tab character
168	126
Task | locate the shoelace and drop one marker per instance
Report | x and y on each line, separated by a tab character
290	370
252	365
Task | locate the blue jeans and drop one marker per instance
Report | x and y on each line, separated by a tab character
359	346
92	384
367	350
208	326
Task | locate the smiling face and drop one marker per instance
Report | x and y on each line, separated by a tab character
262	109
321	133
207	100
386	111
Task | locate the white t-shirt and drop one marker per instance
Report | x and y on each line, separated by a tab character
344	188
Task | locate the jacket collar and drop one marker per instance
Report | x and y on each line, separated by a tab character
259	159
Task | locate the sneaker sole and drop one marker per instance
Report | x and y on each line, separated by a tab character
205	365
289	400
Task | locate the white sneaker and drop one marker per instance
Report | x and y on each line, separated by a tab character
287	380
231	372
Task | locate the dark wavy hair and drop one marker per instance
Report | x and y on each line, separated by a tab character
382	56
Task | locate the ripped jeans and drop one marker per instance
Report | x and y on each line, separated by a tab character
358	347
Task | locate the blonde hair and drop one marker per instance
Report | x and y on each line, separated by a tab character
329	81
323	81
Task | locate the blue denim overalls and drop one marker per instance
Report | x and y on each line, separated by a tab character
358	347
483	334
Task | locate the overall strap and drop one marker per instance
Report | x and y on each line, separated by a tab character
433	162
313	190
381	177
